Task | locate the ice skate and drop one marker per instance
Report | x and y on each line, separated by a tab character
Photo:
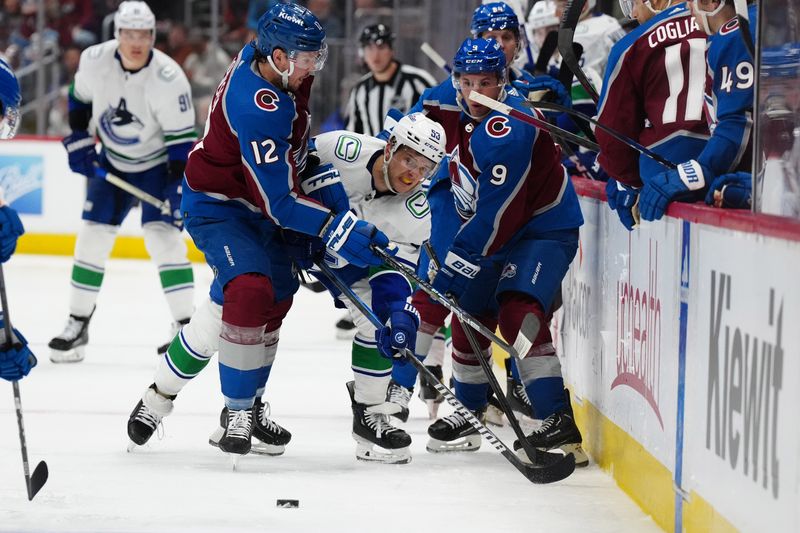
494	412
238	430
270	438
175	328
429	394
518	398
146	416
397	398
376	439
70	345
454	433
557	431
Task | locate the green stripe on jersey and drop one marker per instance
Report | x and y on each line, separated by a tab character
181	137
369	358
177	276
142	159
183	360
84	276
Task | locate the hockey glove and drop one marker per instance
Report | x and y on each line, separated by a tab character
81	152
400	331
304	250
351	238
458	270
172	193
554	90
731	191
323	183
623	199
685	183
16	360
10	229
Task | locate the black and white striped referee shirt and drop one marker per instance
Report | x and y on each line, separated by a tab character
370	100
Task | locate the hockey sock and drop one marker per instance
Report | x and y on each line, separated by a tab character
547	395
167	248
191	349
270	348
404	373
512	364
472	395
371	371
91	252
442	343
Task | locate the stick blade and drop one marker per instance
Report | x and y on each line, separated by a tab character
38	479
550	467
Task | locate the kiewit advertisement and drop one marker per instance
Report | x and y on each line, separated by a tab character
743	370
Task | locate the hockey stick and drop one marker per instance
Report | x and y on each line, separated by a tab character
551	106
135	191
744	25
549	467
33	483
566	35
505	109
545	53
434	56
523	342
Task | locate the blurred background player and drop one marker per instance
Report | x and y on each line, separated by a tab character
242	191
142	105
382	181
16	359
729	110
653	92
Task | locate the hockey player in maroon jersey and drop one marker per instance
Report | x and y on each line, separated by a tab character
653	92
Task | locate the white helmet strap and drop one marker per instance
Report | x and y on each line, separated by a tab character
393	145
284	74
705	14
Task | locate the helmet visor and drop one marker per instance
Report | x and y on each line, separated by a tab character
627	7
311	61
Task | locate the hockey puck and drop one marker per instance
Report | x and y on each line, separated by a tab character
288	504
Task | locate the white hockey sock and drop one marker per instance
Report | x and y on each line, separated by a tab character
168	251
91	252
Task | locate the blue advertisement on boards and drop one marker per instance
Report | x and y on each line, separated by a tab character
21	181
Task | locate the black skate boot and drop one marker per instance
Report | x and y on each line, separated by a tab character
428	393
146	416
70	345
176	327
516	395
345	328
238	430
454	433
376	439
559	431
398	397
271	439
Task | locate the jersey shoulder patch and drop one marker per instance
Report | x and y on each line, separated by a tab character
730	26
266	99
167	73
348	148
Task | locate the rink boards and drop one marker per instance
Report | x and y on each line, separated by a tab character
680	342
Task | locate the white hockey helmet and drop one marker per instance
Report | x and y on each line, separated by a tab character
420	134
134	15
542	15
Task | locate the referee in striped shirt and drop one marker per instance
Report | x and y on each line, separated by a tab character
389	83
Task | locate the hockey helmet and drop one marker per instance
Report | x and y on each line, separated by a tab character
421	134
134	15
476	56
376	34
10	99
293	29
542	15
494	16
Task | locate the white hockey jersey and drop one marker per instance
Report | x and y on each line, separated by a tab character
136	114
404	218
597	35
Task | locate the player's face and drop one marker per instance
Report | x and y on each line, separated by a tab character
378	57
408	169
643	12
507	40
486	84
305	64
135	47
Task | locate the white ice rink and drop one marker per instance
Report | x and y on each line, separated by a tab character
75	417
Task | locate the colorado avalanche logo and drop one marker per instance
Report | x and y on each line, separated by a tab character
120	125
729	27
498	127
463	186
266	99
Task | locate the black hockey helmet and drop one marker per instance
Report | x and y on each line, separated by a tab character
376	34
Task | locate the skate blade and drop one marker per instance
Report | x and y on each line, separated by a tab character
262	448
234	459
433	408
214	438
372	453
132	446
75	355
470	443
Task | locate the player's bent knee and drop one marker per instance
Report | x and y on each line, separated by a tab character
202	332
248	299
95	242
164	243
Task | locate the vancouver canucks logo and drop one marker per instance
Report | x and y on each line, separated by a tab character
120	125
463	186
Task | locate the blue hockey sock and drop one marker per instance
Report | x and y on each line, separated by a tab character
472	395
546	395
512	361
404	373
262	380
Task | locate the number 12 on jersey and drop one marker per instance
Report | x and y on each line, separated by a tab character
269	151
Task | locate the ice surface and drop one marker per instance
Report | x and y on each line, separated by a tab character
75	418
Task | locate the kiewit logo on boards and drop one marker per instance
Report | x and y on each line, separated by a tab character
745	377
639	334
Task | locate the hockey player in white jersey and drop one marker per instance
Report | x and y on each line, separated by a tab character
382	186
140	103
382	181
